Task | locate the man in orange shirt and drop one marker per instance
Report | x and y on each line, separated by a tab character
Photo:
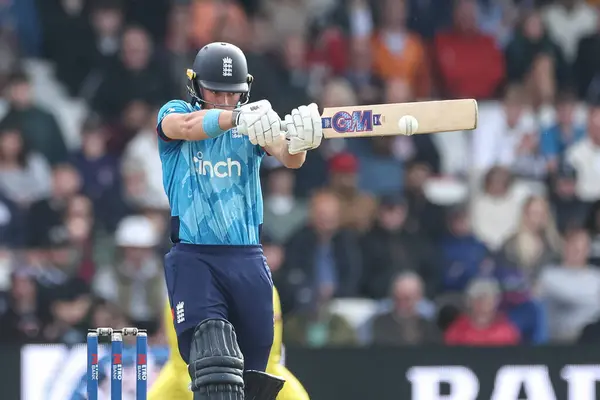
399	54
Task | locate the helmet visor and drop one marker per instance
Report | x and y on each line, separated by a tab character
224	87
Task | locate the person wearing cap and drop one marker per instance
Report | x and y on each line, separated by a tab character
136	280
357	208
482	324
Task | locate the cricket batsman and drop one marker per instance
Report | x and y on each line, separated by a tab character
173	381
219	285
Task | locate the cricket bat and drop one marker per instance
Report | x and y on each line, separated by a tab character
399	119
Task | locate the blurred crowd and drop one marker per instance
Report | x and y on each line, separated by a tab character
490	237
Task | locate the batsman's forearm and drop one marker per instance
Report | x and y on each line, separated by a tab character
192	126
293	161
279	150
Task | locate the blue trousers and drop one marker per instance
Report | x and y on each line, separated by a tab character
227	282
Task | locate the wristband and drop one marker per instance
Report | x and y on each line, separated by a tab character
210	123
235	116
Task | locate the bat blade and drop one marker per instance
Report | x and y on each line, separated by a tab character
382	119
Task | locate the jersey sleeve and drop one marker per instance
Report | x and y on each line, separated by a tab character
172	107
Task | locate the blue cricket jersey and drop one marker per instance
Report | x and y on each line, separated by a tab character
213	185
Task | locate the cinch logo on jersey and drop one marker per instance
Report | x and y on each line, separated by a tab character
357	121
219	169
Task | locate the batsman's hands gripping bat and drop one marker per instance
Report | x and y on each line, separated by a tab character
259	122
303	128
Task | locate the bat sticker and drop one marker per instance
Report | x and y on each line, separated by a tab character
355	121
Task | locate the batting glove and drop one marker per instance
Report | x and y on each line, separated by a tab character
304	128
259	122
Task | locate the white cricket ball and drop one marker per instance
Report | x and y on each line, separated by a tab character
408	125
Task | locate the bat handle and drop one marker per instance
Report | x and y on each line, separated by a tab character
283	129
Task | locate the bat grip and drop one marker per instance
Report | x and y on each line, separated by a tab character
283	129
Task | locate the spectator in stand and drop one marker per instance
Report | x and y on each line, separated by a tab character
556	140
13	224
469	62
317	327
590	334
360	72
496	208
535	61
128	78
24	173
107	22
498	19
504	134
380	160
46	216
40	128
536	241
592	226
404	324
178	50
424	216
398	53
462	252
358	17
571	289
79	223
357	208
526	312
283	213
586	69
290	68
99	170
327	54
136	278
427	18
142	170
70	310
67	38
322	256
569	210
391	247
260	46
482	324
289	17
21	320
209	19
567	22
583	155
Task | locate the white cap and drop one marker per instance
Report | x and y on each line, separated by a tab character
136	231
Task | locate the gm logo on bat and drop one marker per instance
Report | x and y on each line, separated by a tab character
355	121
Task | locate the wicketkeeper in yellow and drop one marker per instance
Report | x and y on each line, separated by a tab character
174	379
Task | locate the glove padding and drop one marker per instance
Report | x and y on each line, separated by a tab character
260	123
304	128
